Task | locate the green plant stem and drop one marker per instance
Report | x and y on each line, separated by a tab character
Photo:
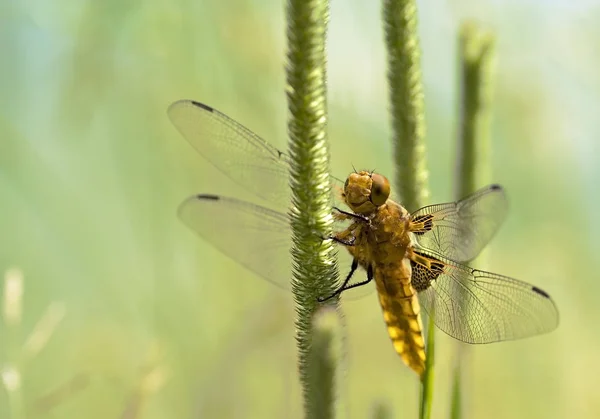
406	100
475	72
10	317
315	268
475	56
326	354
427	385
381	411
408	121
456	403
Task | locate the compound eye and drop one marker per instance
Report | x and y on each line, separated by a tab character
380	189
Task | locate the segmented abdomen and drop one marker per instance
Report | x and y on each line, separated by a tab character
401	313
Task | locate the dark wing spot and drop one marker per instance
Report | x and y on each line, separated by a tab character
209	197
540	291
426	220
495	187
422	276
202	105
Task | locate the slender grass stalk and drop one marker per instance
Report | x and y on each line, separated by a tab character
476	52
381	411
427	387
10	369
50	400
408	121
326	353
315	268
406	99
473	161
456	404
149	384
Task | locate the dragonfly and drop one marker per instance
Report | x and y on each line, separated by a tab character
417	260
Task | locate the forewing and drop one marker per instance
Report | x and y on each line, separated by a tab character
256	237
481	307
460	230
236	151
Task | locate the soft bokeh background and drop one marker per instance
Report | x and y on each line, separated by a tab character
150	321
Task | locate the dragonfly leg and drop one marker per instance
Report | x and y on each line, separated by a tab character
361	283
341	238
345	285
347	214
345	238
353	269
344	242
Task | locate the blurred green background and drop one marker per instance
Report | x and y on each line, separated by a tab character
150	321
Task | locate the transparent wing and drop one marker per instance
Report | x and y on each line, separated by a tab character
256	237
460	230
235	150
481	307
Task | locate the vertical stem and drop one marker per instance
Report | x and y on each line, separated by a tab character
408	120
381	411
473	156
406	99
11	315
456	403
427	387
315	268
475	61
325	358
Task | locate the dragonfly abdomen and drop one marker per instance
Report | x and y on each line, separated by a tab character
401	312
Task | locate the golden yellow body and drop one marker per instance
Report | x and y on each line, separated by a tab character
471	305
384	244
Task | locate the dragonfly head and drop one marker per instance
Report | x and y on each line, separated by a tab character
366	191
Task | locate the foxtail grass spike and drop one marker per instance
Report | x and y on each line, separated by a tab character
476	52
406	101
475	61
408	122
315	269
